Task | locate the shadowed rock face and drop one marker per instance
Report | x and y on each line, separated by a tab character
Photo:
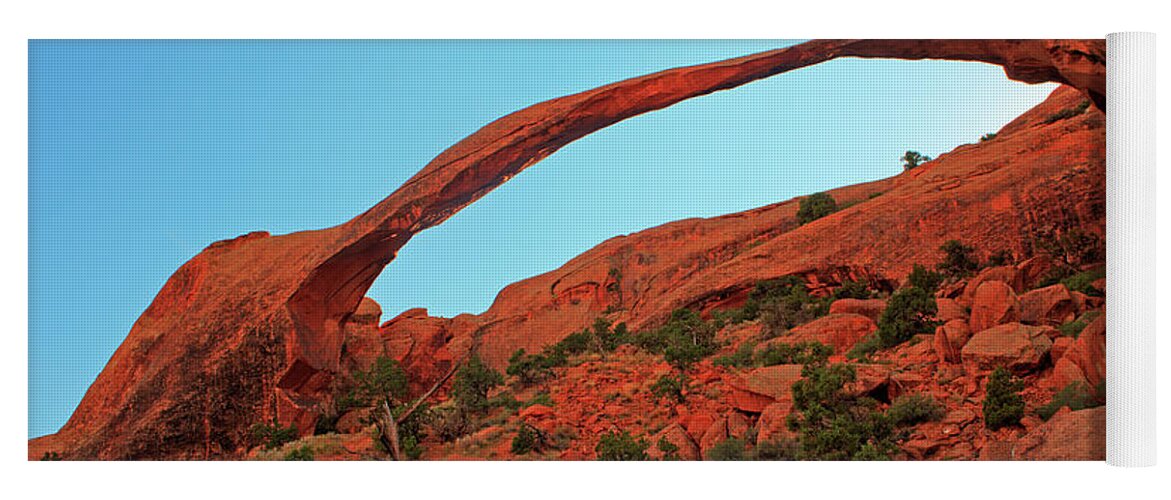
252	329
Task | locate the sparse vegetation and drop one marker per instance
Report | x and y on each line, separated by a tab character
1003	405
1084	282
775	450
1002	257
1067	113
670	450
988	137
800	353
526	440
450	423
528	368
273	436
742	357
671	387
302	453
851	289
834	425
914	409
815	206
472	383
925	279
1075	396
728	450
684	340
912	159
909	312
958	260
621	446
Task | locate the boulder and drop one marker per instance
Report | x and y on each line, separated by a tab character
353	421
1008	275
993	303
1068	435
773	422
763	386
1033	269
1052	305
949	340
368	312
1085	360
1020	348
676	435
871	308
949	309
840	331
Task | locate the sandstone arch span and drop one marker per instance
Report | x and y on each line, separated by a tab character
251	328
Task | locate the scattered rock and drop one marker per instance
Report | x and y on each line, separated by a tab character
1068	435
1052	305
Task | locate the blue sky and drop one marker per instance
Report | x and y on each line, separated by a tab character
143	152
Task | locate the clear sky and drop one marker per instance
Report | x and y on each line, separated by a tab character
141	153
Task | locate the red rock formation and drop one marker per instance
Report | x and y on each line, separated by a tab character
252	329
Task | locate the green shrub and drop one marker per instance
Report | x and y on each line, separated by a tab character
304	453
728	450
741	358
792	308
909	312
833	424
788	354
1003	405
865	347
1083	282
450	423
671	387
528	368
958	259
1068	113
526	441
670	450
273	436
815	206
51	456
775	450
920	277
1076	396
384	379
912	159
540	398
621	446
988	137
684	340
851	289
914	409
1002	257
472	383
1070	250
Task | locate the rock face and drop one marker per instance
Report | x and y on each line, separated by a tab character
1068	435
839	331
252	329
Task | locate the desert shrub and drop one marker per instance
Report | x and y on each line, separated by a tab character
528	368
909	312
815	206
1070	250
851	289
833	424
472	383
621	446
385	378
1072	329
958	259
728	450
787	354
741	358
794	307
775	450
911	409
1083	282
1068	113
988	137
1003	405
1002	257
671	387
51	456
273	436
865	347
450	423
303	453
1076	396
684	340
670	450
912	159
526	441
540	398
921	277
